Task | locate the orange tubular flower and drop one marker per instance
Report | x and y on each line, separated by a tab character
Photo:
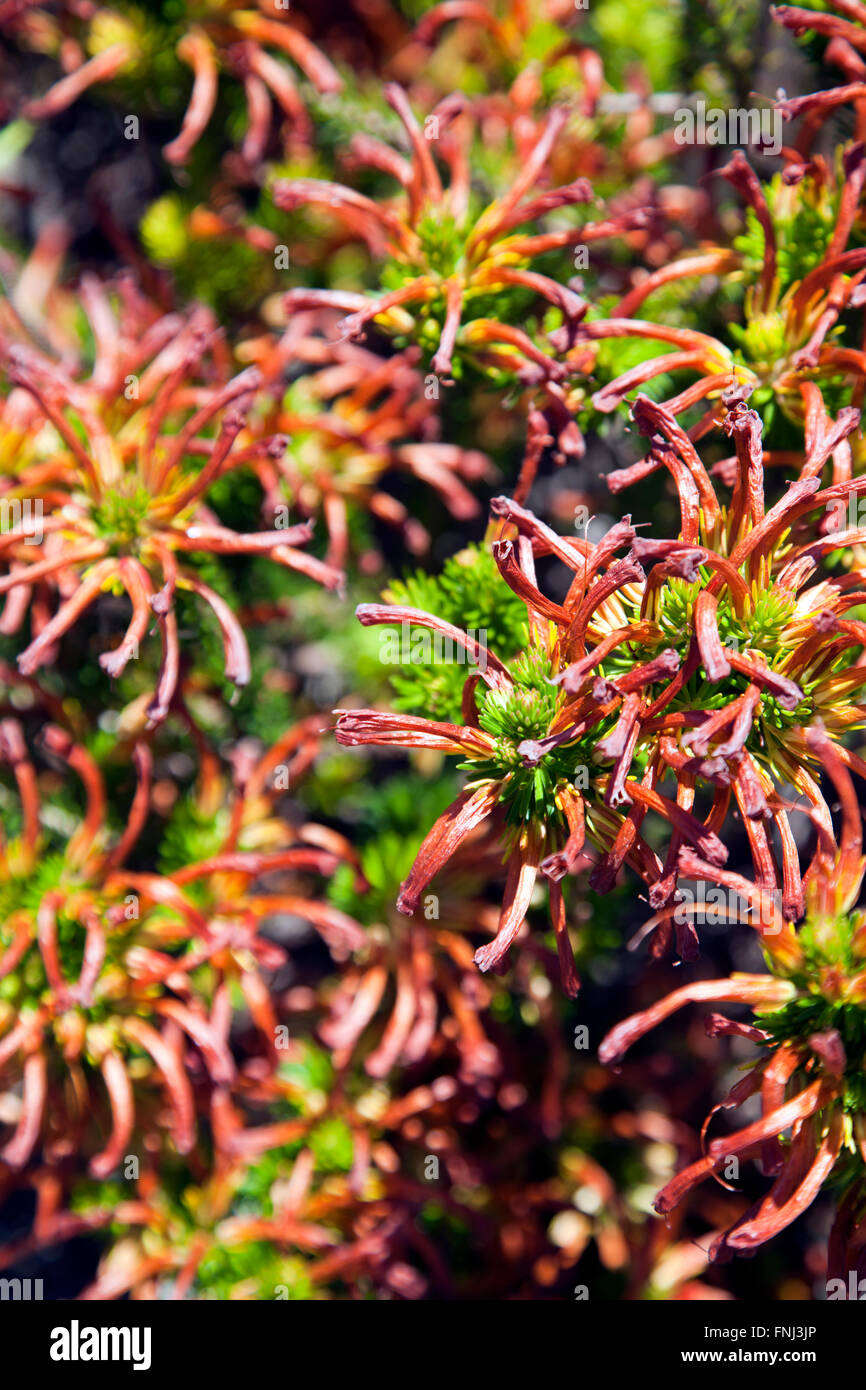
306	1240
251	45
117	509
412	987
268	1217
509	33
448	263
351	419
119	983
811	1023
788	347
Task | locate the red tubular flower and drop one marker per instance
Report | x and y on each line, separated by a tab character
709	671
252	47
811	1025
271	1215
533	740
847	42
764	652
413	982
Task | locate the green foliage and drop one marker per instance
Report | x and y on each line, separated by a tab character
803	217
812	1013
527	712
389	831
470	593
630	32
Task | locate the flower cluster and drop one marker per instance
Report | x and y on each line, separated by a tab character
809	1018
250	46
122	508
312	912
705	669
447	261
127	973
